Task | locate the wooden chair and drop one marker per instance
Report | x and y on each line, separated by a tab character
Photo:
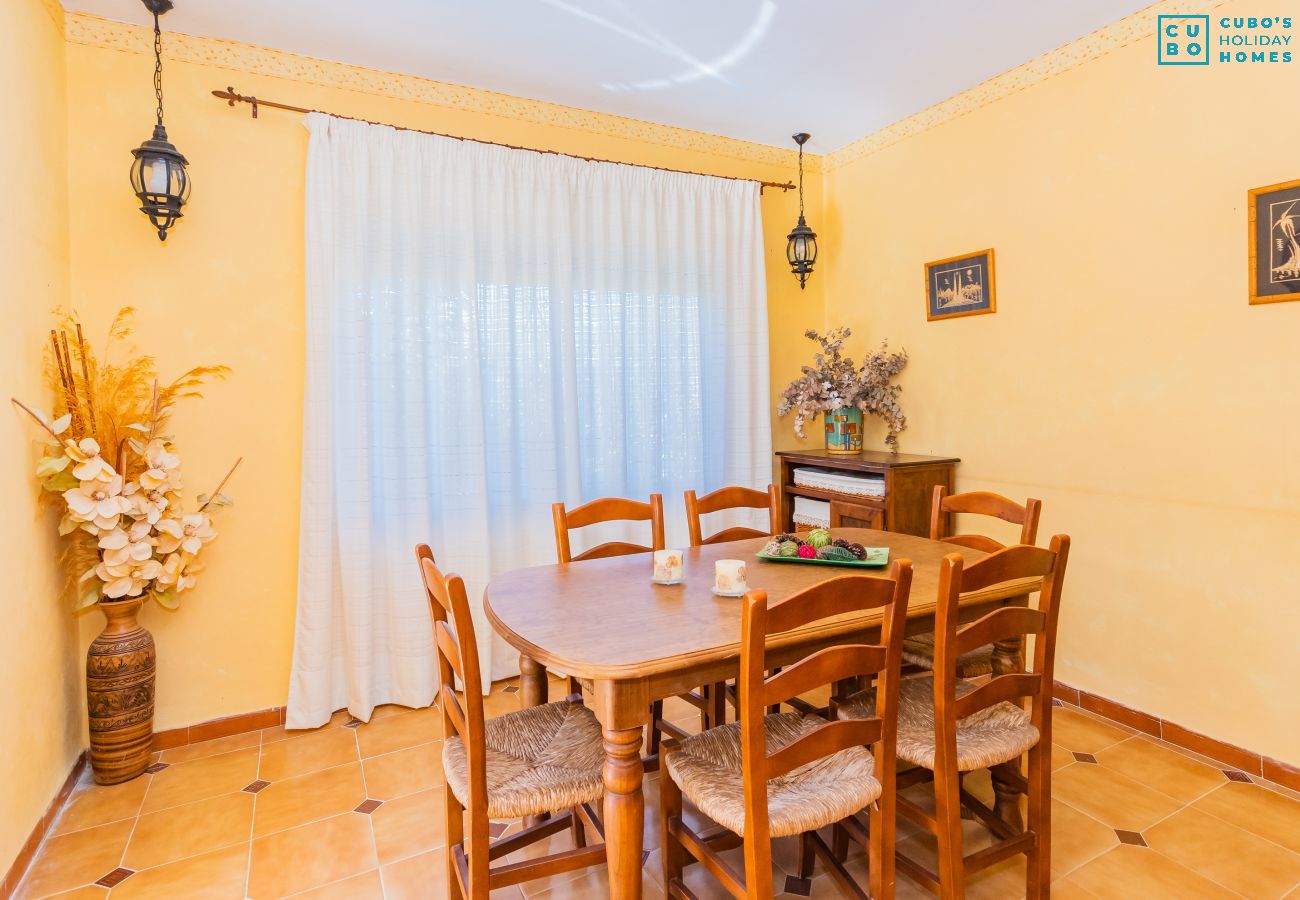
527	763
918	650
608	509
617	509
770	776
732	498
947	726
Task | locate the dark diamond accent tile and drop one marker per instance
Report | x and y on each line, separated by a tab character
1234	775
496	829
156	767
1131	838
115	877
256	786
1084	757
510	690
1057	701
352	723
800	887
645	857
368	805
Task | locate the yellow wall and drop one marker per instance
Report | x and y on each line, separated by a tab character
1124	380
39	663
228	287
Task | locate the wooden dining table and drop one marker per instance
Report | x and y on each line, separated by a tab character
635	641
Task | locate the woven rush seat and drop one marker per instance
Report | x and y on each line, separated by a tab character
992	735
919	651
708	770
539	759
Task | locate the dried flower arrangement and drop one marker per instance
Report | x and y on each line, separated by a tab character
835	381
127	533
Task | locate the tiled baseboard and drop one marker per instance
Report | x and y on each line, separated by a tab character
1251	763
28	852
218	728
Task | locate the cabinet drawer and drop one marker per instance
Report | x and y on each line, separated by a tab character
856	515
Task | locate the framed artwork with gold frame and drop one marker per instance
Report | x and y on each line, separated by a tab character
1274	233
960	286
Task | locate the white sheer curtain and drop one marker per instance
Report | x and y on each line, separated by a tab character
489	331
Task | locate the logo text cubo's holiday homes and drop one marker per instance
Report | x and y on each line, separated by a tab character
1196	40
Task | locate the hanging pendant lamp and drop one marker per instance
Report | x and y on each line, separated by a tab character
158	174
801	245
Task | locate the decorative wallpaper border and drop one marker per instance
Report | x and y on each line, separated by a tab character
81	28
1133	28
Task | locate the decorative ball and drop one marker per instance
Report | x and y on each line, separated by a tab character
783	537
807	551
788	548
858	551
771	548
840	542
819	537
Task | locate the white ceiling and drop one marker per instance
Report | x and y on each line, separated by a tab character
752	69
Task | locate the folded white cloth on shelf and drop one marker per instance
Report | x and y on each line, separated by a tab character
864	485
812	512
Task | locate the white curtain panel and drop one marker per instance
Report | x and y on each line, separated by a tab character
489	331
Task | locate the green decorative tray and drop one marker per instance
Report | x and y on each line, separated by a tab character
876	557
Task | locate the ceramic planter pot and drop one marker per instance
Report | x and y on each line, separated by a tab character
121	667
844	430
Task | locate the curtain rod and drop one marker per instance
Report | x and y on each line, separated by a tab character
231	98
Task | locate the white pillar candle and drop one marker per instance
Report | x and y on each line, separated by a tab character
729	577
669	568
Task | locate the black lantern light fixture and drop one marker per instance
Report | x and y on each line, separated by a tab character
158	174
801	245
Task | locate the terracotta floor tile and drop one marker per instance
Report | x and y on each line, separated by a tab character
89	892
93	804
1077	838
189	830
593	884
1138	872
1078	731
1114	799
1258	810
366	886
311	855
399	732
1226	854
416	877
317	795
279	733
76	859
1156	766
218	875
323	749
200	779
212	748
1060	757
402	772
409	825
1067	889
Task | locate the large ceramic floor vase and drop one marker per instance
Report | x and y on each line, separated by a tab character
120	669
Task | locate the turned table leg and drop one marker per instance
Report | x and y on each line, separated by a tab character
1008	658
624	811
532	682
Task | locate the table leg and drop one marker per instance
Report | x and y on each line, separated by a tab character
1008	658
532	682
533	691
624	811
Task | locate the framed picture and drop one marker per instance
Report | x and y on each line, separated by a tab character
1274	242
960	286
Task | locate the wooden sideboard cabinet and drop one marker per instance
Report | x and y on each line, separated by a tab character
909	488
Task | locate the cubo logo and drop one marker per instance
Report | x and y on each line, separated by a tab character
1183	40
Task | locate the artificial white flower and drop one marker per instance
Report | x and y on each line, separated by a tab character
188	533
97	502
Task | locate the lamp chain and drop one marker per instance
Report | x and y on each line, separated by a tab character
157	67
800	177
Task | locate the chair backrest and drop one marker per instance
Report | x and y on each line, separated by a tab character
983	503
457	655
732	498
758	691
1003	624
608	509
